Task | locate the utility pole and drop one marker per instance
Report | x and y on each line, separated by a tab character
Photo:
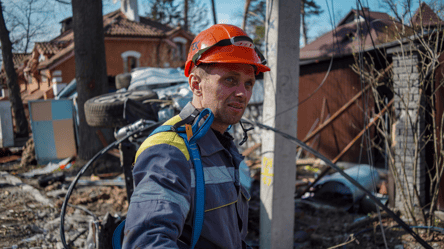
278	173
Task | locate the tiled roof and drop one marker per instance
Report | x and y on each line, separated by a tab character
50	48
366	13
56	57
428	16
343	40
19	59
66	36
116	24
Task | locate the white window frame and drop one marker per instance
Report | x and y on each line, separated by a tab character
130	53
180	42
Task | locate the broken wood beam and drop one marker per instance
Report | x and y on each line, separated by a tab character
308	161
114	151
336	114
325	171
250	150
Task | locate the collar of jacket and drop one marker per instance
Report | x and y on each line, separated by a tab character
208	144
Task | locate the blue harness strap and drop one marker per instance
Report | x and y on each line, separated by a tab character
199	210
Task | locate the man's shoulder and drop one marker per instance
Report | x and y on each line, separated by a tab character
165	138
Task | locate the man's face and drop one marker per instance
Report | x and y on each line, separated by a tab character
226	90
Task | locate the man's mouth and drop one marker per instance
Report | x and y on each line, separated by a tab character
238	106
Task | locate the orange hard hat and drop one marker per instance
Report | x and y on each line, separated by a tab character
224	43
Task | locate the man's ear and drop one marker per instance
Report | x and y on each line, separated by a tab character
195	84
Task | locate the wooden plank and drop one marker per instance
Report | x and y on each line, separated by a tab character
325	171
8	159
333	131
250	150
336	114
299	150
114	152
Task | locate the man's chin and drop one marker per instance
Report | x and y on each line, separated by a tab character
230	121
235	121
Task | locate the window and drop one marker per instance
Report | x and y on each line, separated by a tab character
130	60
42	58
132	63
29	78
179	53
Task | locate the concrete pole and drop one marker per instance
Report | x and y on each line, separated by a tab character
278	176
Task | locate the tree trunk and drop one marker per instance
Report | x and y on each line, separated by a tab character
185	16
21	124
247	6
214	11
90	62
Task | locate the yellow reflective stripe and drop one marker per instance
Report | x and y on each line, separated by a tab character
173	120
170	138
248	199
221	206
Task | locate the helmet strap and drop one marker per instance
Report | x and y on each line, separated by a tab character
228	42
245	138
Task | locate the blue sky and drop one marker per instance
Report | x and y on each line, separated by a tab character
231	11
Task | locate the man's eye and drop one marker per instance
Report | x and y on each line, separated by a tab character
229	80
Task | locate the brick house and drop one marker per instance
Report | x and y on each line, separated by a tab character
130	41
20	61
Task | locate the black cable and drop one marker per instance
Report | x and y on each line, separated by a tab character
311	95
82	171
85	210
369	30
366	140
351	180
436	229
326	74
77	236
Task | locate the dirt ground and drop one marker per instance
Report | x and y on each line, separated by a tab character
30	217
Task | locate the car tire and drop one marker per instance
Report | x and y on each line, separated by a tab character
123	80
106	111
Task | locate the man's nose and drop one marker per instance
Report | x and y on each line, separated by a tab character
241	91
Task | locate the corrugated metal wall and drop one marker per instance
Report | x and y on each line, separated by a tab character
341	85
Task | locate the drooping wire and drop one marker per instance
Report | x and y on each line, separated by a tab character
82	171
369	31
366	138
350	179
335	46
266	44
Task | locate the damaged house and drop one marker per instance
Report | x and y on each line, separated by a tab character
355	117
130	41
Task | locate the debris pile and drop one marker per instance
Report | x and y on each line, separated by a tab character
28	156
31	198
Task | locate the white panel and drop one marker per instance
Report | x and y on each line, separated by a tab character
6	130
56	88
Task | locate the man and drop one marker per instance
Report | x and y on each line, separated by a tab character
221	68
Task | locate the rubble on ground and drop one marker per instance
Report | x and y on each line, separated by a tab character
30	212
28	155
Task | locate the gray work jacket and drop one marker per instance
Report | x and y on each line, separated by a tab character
162	205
